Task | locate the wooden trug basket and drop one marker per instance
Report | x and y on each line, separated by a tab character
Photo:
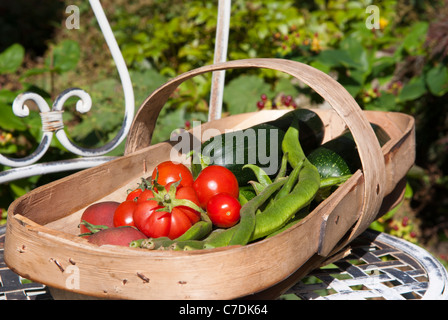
42	242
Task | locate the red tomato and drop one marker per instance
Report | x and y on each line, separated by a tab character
124	213
188	193
134	194
212	180
223	210
142	212
166	224
155	224
169	171
145	195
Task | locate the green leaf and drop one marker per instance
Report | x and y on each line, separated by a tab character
321	66
285	86
242	93
11	59
34	72
437	80
357	53
65	56
8	149
7	96
383	66
167	124
145	82
20	187
409	192
415	38
335	58
352	81
386	102
377	226
413	90
8	120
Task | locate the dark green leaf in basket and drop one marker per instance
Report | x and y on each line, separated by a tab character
321	66
242	93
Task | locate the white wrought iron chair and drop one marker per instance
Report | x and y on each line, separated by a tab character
379	266
52	123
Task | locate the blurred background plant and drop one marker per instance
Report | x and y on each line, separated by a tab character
402	66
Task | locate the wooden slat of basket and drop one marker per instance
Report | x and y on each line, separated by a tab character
47	247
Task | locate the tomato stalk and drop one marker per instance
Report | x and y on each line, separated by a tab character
204	162
144	185
167	198
92	228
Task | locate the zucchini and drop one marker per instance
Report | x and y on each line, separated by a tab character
235	149
310	124
339	156
228	152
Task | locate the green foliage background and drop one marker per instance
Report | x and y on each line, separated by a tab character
400	67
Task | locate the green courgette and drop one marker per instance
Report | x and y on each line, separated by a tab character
310	124
259	145
233	152
339	156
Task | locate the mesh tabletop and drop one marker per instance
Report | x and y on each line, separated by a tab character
379	266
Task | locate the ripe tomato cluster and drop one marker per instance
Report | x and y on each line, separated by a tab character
173	201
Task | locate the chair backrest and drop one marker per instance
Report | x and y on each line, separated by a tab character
52	123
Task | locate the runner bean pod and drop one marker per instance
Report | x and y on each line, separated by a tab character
280	212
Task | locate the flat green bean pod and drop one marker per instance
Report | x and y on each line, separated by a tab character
297	217
246	226
241	233
283	167
334	181
280	212
260	174
197	231
219	238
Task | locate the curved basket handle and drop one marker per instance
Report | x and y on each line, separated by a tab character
342	102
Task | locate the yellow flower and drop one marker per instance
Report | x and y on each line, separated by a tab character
383	23
315	45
